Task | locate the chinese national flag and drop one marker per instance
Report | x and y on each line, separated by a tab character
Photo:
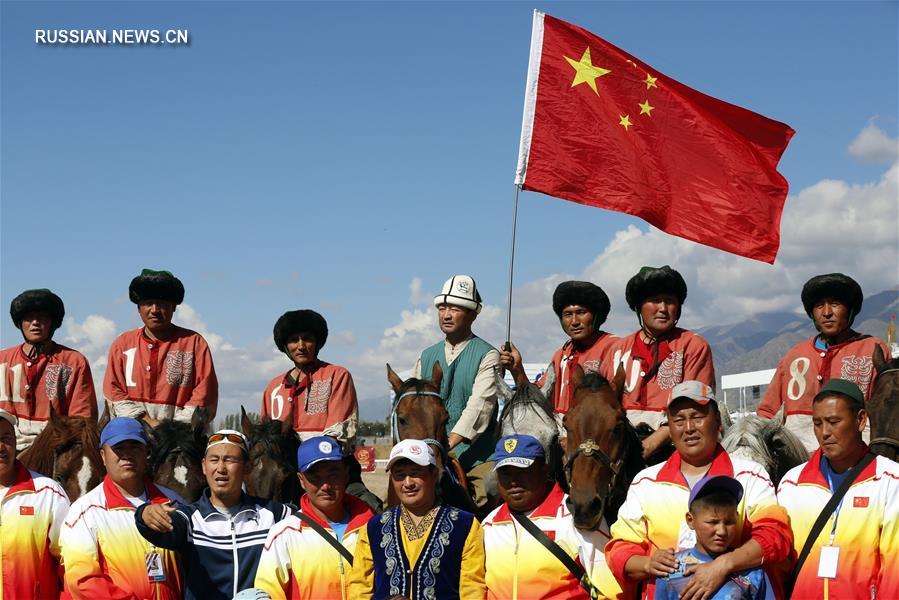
604	129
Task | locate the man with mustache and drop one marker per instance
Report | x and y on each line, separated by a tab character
159	371
220	536
422	548
660	354
651	525
32	509
518	566
582	308
321	396
832	302
298	561
39	373
103	553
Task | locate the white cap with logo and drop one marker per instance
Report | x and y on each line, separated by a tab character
8	417
415	450
460	290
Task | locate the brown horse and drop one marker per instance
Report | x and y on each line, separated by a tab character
176	452
603	451
68	450
883	407
272	472
421	415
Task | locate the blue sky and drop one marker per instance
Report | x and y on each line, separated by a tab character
331	155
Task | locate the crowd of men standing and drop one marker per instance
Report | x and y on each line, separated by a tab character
699	525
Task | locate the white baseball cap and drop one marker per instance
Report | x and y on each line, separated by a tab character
460	290
8	417
696	391
415	450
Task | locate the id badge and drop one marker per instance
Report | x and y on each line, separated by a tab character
155	572
827	562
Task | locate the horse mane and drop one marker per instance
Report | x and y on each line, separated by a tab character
171	436
59	433
752	436
526	395
413	384
267	432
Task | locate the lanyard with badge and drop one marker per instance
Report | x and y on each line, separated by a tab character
155	571
830	554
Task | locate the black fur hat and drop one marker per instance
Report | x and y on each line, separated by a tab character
156	285
42	300
582	293
833	285
298	321
651	281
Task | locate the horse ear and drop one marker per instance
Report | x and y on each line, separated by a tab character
577	376
245	424
618	381
879	359
287	424
198	420
437	375
104	418
395	382
54	417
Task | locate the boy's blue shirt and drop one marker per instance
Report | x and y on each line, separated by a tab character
751	584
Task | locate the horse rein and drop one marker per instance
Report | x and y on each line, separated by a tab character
590	449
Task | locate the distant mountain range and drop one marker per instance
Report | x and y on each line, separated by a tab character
760	341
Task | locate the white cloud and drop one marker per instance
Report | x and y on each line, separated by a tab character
187	316
91	337
416	296
872	145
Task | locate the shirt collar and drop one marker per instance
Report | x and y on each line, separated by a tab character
22	481
115	498
548	508
671	470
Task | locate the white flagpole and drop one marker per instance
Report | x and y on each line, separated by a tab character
511	271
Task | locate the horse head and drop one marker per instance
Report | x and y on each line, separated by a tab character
176	455
882	406
68	450
272	471
603	452
418	407
767	442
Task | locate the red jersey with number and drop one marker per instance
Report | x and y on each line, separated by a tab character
652	370
29	386
159	377
324	402
591	360
805	368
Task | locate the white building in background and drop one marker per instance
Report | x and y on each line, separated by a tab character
742	392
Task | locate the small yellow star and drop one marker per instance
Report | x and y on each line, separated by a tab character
625	121
646	108
586	71
650	81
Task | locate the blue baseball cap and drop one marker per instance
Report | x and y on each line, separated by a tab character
121	429
317	449
716	482
517	451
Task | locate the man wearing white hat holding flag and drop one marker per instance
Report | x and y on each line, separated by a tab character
469	385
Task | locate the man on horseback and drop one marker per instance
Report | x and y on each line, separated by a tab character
832	302
582	308
103	553
159	371
660	354
517	564
651	526
321	396
301	556
469	381
856	553
32	509
422	548
39	373
220	536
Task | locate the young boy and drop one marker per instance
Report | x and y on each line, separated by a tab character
713	517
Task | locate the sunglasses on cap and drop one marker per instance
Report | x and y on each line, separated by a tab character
226	437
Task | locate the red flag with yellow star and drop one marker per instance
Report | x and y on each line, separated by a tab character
604	129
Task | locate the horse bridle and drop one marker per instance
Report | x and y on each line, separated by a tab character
444	451
591	449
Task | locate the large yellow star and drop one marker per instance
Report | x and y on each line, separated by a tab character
625	121
650	81
586	71
646	108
